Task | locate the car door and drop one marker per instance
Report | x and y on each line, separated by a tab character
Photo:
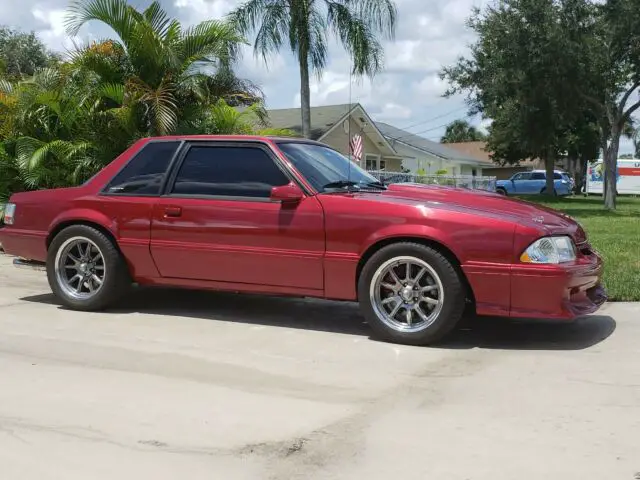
217	221
538	182
128	200
519	182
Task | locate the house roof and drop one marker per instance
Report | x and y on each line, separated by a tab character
477	150
322	118
398	135
325	118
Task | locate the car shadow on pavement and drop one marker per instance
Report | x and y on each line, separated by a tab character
345	318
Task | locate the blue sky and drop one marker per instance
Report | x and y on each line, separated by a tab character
407	94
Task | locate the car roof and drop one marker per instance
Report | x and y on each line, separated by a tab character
233	138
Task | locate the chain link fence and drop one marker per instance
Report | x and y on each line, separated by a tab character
463	181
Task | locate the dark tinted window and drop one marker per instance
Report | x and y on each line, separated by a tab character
557	176
522	176
538	176
229	172
143	175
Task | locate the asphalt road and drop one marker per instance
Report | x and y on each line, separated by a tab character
189	385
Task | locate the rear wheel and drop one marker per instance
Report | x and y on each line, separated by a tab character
85	269
411	294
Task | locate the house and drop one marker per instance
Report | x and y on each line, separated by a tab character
336	125
490	168
425	156
384	147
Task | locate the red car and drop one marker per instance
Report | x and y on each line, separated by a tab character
294	217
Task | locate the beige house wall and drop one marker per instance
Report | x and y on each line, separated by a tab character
339	140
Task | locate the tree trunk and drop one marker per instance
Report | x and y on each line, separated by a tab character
305	94
550	166
581	175
610	169
574	168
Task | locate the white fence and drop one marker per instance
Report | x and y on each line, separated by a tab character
462	181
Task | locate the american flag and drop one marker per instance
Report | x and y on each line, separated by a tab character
356	147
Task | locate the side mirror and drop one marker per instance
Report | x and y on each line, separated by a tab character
287	194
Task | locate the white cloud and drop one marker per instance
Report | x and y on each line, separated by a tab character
54	34
195	11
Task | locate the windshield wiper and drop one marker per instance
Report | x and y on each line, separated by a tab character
375	184
341	184
355	185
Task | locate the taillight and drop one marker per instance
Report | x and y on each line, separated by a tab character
9	213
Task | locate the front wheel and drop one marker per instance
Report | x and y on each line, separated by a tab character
85	269
411	294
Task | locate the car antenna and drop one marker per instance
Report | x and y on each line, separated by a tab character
349	139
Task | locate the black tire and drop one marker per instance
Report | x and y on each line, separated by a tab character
117	279
501	191
454	289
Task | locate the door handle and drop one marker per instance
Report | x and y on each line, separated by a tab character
172	212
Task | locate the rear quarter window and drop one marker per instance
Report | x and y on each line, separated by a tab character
145	172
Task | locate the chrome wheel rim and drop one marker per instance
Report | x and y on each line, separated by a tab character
80	268
407	294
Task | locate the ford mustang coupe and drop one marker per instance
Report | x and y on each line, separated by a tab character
295	217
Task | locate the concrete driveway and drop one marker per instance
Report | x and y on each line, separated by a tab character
189	385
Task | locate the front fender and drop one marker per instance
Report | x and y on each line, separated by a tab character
410	230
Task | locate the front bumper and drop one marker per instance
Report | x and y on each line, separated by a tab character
562	291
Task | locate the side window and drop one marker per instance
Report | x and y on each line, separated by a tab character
517	176
228	172
144	173
538	176
557	176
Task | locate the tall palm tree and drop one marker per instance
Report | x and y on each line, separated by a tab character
461	131
304	25
161	66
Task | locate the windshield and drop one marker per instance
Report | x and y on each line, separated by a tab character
324	168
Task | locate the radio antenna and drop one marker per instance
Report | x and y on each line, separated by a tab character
349	139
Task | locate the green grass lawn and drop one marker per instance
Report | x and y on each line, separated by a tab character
616	235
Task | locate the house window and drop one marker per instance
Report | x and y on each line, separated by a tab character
474	172
383	165
371	162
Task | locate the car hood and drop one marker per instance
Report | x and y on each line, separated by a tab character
483	203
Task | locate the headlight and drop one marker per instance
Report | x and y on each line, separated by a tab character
9	213
550	250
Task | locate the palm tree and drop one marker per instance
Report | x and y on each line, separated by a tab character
461	131
224	119
155	66
304	24
44	131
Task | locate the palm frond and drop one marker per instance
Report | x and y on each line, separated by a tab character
273	31
357	37
6	87
157	18
249	15
211	39
379	15
317	38
113	91
117	14
162	106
